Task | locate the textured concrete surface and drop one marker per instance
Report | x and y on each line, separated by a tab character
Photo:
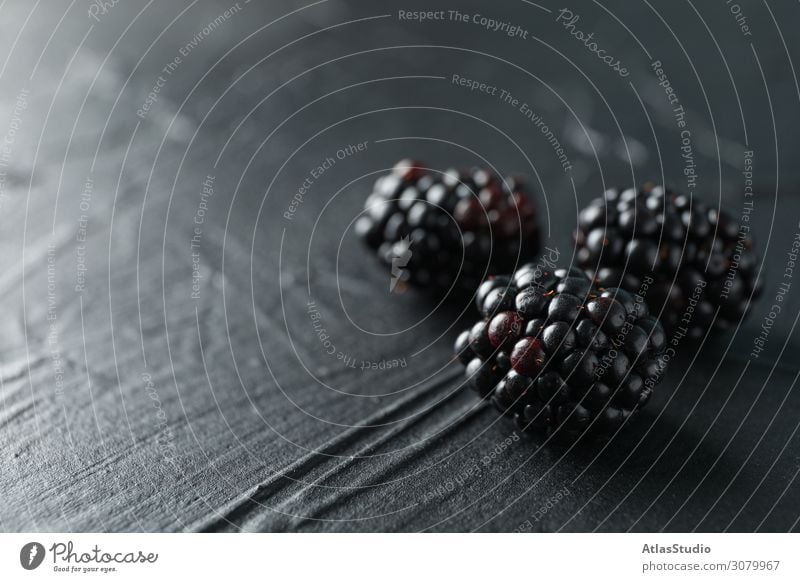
160	367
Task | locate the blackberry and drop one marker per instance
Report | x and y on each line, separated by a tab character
448	231
687	258
567	357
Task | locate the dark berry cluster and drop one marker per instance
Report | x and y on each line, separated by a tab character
697	256
561	355
448	231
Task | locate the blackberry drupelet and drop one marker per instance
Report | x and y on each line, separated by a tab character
698	258
561	355
448	231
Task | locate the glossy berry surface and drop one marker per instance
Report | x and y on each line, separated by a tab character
560	355
447	231
699	260
504	329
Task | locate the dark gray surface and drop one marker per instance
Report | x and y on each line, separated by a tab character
249	424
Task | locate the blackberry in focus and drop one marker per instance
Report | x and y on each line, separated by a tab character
561	355
448	231
698	258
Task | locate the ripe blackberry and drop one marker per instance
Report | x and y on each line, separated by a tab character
561	355
697	256
448	231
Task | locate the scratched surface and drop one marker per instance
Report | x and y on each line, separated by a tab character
170	305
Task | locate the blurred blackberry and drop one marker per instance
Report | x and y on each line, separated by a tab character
560	355
448	231
697	256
